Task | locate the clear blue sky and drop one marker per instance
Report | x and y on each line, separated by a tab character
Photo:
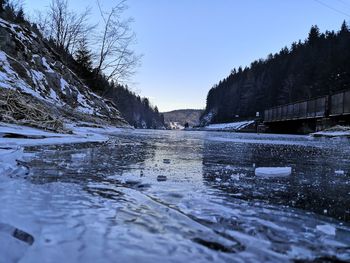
189	45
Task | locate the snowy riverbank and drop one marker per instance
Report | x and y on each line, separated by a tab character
336	131
233	126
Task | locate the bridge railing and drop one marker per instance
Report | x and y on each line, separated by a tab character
334	105
340	103
313	108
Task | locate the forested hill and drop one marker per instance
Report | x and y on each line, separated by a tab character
72	68
317	66
189	116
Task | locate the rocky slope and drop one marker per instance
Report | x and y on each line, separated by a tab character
32	71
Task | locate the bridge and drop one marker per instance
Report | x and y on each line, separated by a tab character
314	114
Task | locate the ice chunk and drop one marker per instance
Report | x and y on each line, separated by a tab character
8	160
326	229
273	171
339	172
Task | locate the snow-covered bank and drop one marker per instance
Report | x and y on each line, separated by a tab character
233	126
12	135
336	131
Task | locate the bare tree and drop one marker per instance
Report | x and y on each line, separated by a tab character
65	27
116	58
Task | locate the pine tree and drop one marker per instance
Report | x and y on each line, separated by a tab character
3	3
83	56
20	16
344	28
314	35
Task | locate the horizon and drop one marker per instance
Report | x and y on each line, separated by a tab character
167	35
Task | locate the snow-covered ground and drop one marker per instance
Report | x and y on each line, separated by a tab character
332	134
337	131
233	126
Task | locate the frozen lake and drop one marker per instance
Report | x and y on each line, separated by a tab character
172	196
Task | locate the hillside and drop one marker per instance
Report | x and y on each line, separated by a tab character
43	84
182	117
31	71
318	66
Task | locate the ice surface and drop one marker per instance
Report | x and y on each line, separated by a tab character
91	202
327	229
31	136
9	158
273	171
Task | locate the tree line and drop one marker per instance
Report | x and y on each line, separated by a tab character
107	67
318	66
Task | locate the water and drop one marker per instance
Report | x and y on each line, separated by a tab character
163	196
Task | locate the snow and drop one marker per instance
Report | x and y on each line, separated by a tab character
39	137
233	126
176	125
85	107
332	134
327	229
46	65
335	131
36	84
10	79
17	31
208	118
273	171
64	85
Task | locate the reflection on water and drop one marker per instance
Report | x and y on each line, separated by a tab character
179	196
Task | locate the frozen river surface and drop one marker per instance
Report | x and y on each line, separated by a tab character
161	196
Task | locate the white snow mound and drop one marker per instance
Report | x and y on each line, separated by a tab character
233	126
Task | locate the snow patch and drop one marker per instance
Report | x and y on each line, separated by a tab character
233	126
46	65
175	125
64	85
